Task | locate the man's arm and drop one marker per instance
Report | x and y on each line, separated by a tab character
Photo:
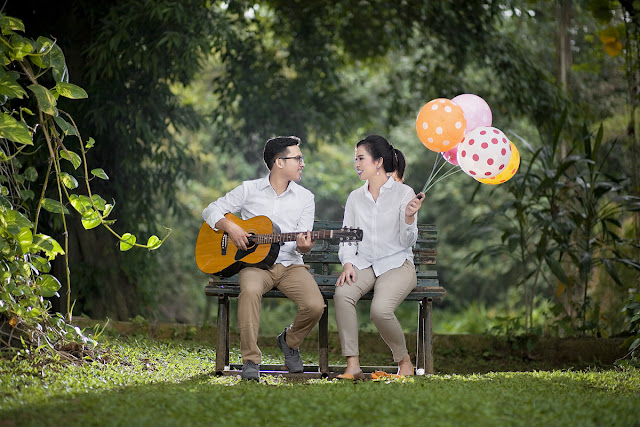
304	243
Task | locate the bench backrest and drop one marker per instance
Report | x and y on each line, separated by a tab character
323	258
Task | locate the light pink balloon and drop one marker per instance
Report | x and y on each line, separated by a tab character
476	111
451	156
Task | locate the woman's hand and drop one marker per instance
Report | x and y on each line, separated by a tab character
348	275
412	207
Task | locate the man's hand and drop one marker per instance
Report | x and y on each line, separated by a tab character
348	275
304	242
237	234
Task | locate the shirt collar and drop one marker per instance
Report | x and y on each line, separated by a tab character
386	186
264	184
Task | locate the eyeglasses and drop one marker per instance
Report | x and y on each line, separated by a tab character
300	159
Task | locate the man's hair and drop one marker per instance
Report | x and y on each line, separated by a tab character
276	147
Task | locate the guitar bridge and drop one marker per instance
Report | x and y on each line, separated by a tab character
224	242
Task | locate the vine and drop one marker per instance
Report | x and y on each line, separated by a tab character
31	124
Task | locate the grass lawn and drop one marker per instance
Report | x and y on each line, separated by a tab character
141	381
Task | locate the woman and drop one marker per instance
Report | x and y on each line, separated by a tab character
385	210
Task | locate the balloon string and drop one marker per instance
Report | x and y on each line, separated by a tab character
434	172
447	174
433	178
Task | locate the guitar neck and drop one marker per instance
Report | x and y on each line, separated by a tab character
289	237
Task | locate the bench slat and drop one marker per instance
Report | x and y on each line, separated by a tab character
328	291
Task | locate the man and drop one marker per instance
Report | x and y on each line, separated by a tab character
292	208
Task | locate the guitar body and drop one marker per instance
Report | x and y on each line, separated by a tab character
216	253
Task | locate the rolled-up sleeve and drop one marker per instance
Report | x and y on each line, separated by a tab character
231	202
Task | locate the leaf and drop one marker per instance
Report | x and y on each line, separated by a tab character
25	239
72	157
107	209
71	91
20	47
8	24
90	143
31	174
27	194
10	87
48	285
69	181
99	173
14	130
51	56
90	219
46	100
15	220
557	269
80	203
99	202
54	206
127	241
153	243
48	245
65	126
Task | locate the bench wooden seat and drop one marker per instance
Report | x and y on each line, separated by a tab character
325	267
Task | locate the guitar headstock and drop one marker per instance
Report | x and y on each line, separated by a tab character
347	235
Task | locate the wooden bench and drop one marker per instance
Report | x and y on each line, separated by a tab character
325	267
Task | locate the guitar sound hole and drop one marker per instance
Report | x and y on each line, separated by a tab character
251	242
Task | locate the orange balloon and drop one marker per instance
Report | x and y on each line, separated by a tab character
508	172
440	125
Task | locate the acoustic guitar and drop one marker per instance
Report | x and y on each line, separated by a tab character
216	253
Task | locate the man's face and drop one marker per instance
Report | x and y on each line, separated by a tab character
292	163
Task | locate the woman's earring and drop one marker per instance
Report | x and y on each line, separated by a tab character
378	170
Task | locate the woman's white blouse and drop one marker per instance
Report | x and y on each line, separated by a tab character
387	238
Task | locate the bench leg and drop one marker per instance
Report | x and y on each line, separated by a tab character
323	341
222	340
424	362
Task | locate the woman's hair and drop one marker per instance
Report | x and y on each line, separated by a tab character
392	158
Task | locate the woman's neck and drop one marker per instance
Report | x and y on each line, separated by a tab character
375	183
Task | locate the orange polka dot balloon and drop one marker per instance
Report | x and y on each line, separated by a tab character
508	172
440	125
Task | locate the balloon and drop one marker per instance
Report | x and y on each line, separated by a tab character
451	156
484	152
440	124
508	172
476	111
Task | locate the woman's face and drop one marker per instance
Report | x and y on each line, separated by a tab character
365	165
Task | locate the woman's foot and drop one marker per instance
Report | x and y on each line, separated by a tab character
349	376
353	365
405	367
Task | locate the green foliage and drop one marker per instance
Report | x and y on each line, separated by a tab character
563	223
34	118
632	312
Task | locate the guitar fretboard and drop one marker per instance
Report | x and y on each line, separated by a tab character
290	237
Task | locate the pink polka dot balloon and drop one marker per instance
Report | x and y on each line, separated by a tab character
484	152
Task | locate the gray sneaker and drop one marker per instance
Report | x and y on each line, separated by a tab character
250	371
292	359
